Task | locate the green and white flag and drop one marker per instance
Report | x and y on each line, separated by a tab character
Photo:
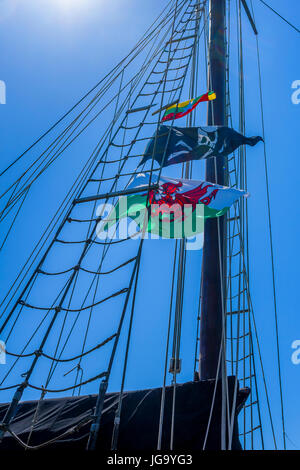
176	209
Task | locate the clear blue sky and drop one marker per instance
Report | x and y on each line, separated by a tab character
52	53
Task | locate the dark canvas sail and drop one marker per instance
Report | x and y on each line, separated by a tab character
139	419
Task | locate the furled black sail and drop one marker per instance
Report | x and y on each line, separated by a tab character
67	421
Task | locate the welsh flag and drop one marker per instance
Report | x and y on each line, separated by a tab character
177	208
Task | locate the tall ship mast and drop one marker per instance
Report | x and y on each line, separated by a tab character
120	336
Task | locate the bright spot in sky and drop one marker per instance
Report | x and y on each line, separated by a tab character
71	4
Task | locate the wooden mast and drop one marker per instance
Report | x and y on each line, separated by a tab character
214	236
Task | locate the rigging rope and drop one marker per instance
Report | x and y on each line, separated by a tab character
115	433
41	353
91	90
280	16
104	386
94	429
96	152
271	241
61	151
68	432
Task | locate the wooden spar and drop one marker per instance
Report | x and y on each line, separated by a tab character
125	192
248	13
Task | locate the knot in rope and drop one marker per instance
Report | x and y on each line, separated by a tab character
4	427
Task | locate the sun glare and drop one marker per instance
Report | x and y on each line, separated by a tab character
70	4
